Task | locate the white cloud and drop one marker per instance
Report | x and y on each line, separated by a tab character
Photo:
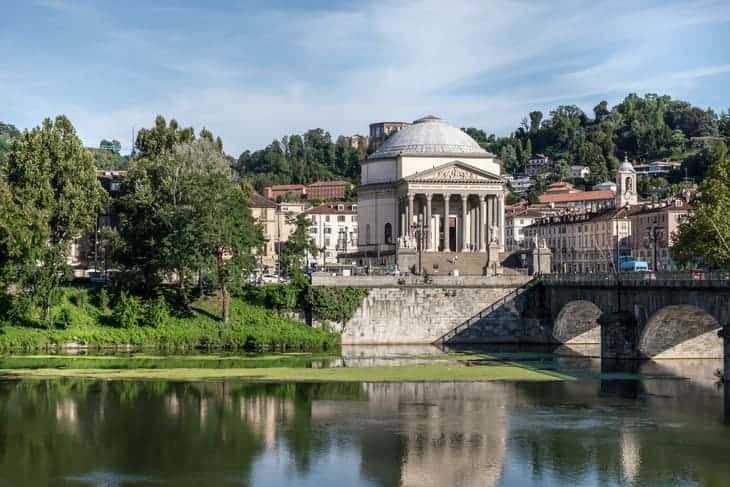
399	60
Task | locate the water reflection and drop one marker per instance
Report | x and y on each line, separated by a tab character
613	431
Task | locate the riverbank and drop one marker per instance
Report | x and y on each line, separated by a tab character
88	325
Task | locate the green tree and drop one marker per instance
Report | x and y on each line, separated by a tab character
227	230
50	195
706	233
299	244
160	228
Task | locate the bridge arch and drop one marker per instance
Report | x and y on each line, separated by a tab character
680	331
577	323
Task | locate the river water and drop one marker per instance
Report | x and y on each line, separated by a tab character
660	424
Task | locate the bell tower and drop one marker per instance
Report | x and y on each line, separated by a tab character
626	190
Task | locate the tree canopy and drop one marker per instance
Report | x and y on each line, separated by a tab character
706	233
301	159
49	195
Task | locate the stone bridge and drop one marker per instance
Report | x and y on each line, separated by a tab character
639	315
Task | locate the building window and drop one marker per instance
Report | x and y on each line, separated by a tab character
326	242
367	234
341	218
354	218
388	233
327	218
327	230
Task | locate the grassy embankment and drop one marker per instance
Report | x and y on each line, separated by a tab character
87	324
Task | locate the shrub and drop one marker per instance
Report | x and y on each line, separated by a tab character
79	299
156	312
64	318
103	299
127	310
335	303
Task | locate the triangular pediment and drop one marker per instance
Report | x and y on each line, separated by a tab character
455	171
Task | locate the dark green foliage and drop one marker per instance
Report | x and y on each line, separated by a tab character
127	310
335	303
705	237
301	159
642	128
156	312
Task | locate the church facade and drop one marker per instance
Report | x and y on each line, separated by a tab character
432	181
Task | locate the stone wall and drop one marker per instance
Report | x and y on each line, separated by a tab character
410	314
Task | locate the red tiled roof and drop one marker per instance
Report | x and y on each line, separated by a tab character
258	201
329	183
580	196
279	187
332	208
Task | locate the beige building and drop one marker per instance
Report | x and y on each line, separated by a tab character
264	212
516	219
653	227
591	241
434	173
277	222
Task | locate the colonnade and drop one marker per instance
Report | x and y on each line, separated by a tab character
477	220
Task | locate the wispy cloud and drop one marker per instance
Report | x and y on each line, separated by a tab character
255	74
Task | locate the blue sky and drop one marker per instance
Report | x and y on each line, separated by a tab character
252	71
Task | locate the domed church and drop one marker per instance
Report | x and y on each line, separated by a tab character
431	179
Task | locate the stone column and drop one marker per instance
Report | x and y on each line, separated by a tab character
409	217
428	225
500	216
464	229
447	234
483	229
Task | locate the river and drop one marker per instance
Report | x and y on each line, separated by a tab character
658	424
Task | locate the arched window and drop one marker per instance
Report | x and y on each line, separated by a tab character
628	183
367	234
388	233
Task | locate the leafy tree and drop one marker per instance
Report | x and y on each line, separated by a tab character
109	160
49	194
161	139
160	232
706	233
227	230
8	133
299	244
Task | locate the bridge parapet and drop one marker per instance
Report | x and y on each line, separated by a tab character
642	279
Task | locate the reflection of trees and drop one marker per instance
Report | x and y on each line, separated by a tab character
172	430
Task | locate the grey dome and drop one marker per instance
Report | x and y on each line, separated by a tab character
429	136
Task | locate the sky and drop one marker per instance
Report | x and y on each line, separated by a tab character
253	71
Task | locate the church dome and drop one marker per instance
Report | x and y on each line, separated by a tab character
626	166
429	136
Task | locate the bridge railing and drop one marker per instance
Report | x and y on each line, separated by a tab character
689	278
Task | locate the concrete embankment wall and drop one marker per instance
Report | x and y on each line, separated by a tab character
413	314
